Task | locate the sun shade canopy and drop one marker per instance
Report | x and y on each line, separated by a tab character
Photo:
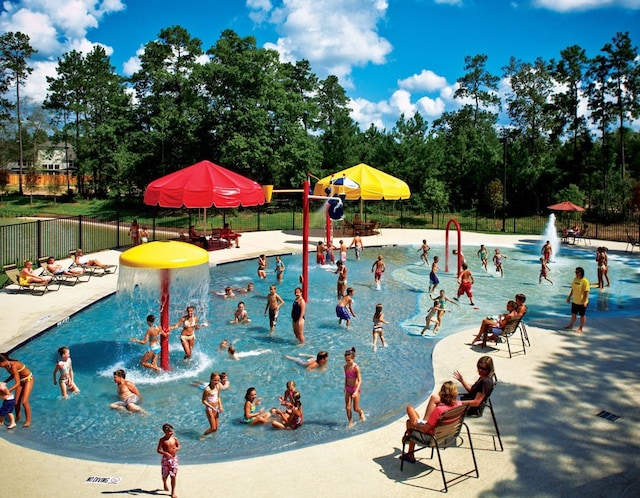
203	185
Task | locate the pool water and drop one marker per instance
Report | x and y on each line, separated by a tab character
85	427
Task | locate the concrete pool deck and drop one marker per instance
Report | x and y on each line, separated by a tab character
546	405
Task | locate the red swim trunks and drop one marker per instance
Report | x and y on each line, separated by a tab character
169	466
465	288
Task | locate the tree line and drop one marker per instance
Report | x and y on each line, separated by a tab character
242	107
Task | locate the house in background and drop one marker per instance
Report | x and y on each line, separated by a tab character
54	167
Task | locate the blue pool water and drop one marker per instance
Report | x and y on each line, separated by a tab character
84	426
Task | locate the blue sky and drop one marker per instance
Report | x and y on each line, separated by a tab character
392	56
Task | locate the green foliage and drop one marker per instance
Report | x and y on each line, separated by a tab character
239	105
571	193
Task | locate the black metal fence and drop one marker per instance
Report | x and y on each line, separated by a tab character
56	237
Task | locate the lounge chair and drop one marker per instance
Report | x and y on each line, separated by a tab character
445	435
95	270
631	242
37	288
67	279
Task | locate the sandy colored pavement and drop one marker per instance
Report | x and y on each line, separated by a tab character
546	404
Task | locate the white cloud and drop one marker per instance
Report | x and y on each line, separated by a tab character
131	65
259	10
36	85
54	27
430	108
449	2
426	81
333	35
582	5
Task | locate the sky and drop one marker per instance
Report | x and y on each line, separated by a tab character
392	57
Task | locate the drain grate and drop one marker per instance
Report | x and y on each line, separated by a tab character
612	417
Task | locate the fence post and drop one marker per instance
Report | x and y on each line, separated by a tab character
79	244
153	226
39	238
293	217
258	212
118	229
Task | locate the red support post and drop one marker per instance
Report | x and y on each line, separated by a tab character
305	239
165	279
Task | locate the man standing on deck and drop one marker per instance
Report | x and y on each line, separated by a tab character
579	298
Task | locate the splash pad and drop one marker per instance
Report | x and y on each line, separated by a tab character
158	262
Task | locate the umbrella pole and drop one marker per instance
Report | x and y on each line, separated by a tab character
327	224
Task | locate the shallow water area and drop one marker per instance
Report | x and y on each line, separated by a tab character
85	427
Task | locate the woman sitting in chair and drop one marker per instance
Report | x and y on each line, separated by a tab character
481	389
495	325
447	399
28	276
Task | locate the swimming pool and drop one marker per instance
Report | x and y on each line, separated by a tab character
85	427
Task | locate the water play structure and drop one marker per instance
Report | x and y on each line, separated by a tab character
161	259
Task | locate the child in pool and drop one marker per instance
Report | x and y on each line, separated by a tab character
311	362
352	385
425	252
431	316
378	320
8	405
253	415
544	271
212	402
292	417
66	373
240	315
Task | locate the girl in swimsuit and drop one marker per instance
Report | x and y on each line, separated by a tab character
23	385
252	415
342	279
352	384
297	315
262	266
483	254
212	402
66	373
189	324
497	260
378	320
279	269
292	418
150	357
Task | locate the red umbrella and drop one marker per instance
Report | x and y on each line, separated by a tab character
203	185
565	206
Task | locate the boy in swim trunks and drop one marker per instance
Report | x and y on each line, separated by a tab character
168	447
344	307
128	393
378	268
274	302
433	276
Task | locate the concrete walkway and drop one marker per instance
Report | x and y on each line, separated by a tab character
546	404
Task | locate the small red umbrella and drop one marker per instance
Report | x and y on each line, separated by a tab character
565	206
203	185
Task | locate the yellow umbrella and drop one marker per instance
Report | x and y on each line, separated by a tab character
374	185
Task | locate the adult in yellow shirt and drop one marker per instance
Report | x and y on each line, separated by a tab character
579	298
